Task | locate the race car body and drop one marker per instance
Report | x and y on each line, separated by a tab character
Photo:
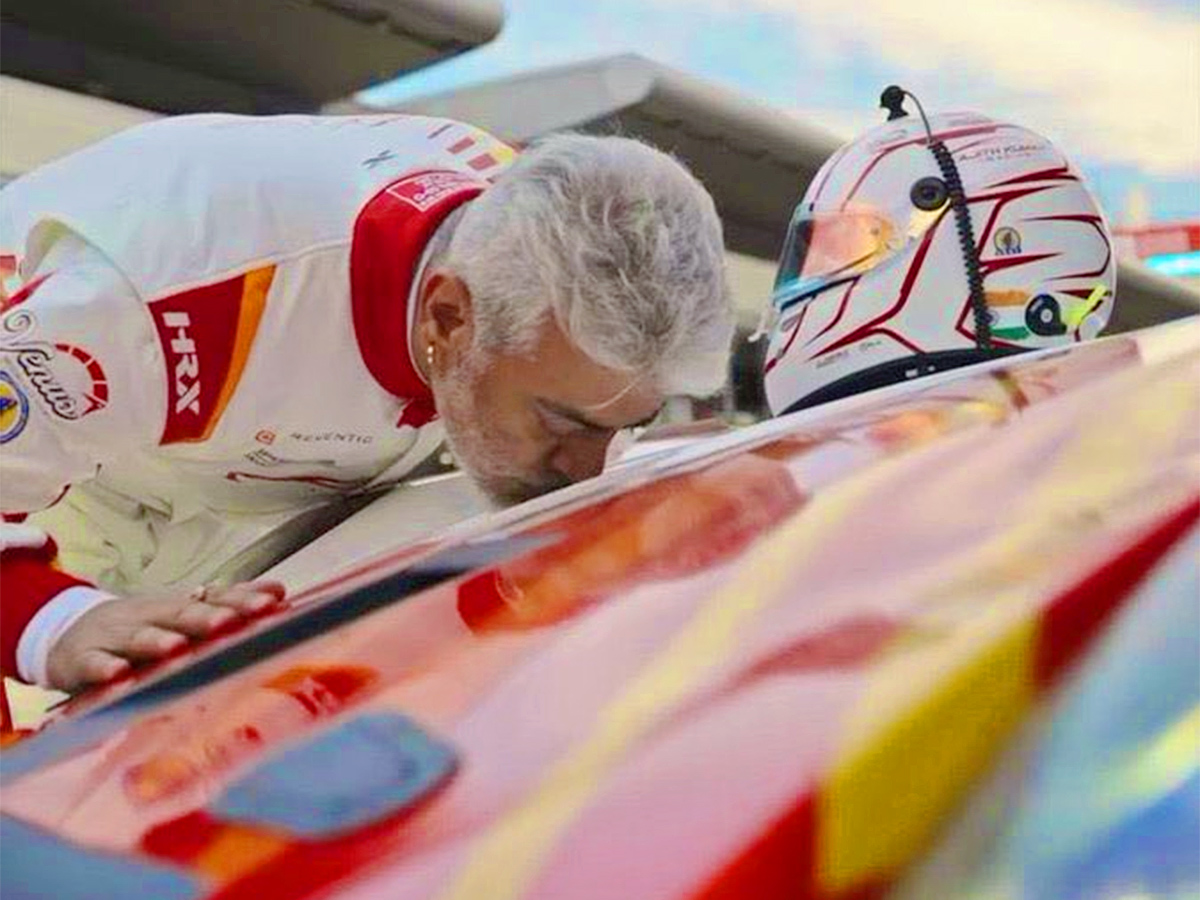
771	663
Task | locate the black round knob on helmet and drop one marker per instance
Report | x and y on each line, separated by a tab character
1043	316
929	194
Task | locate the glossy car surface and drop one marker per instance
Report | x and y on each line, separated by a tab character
766	664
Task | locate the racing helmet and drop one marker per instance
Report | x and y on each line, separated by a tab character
928	244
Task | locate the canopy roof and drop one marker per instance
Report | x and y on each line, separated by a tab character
230	55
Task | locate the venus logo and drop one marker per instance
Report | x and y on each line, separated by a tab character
187	366
35	362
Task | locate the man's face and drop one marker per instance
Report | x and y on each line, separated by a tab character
524	424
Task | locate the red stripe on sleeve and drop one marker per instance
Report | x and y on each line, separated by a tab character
28	581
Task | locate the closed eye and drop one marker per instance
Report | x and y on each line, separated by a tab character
562	423
558	424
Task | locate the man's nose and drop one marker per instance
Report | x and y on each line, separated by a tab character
581	456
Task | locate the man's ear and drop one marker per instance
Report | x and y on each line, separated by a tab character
446	318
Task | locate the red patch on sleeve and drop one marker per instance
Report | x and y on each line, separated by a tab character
425	190
30	581
197	330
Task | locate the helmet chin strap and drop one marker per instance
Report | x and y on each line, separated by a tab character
892	100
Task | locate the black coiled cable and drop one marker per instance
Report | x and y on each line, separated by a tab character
966	238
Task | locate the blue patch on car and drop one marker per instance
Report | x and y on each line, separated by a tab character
359	773
38	865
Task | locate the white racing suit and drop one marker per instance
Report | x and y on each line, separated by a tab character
208	330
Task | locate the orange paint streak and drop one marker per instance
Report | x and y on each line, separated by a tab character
236	851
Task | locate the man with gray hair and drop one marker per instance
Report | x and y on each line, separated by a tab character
215	318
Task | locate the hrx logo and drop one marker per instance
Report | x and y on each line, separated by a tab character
187	363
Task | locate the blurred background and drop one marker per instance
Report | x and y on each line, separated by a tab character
1115	81
754	94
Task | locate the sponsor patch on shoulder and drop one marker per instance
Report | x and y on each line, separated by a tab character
424	190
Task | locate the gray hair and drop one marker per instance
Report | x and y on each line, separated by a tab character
619	243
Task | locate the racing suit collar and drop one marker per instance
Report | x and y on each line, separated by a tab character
390	236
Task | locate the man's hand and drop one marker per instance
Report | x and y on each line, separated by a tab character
109	639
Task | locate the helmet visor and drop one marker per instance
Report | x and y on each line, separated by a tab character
824	247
